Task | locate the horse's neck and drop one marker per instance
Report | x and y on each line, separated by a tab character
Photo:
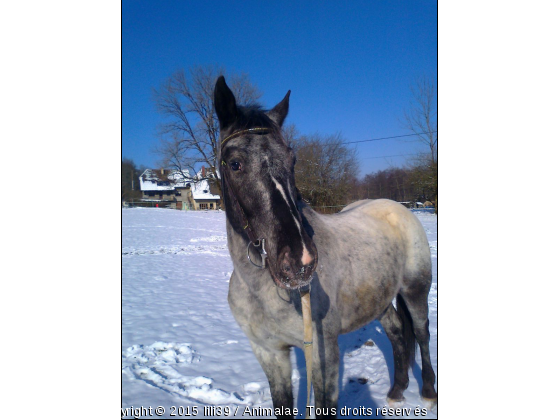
312	219
237	242
256	279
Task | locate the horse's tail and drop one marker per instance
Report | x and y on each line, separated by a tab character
408	331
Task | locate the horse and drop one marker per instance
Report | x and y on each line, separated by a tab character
355	262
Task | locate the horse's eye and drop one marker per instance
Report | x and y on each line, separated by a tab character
235	166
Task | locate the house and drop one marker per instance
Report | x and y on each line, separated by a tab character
170	188
204	194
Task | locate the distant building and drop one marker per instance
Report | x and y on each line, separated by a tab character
204	194
169	188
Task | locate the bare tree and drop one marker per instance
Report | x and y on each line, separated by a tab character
190	135
290	134
326	170
421	117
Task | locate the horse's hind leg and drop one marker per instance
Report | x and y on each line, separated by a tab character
394	328
417	305
278	369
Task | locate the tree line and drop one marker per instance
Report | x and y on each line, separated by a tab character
326	170
412	184
130	182
326	174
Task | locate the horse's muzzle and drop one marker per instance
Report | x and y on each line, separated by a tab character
291	272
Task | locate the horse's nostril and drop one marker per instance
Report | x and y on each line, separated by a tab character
292	268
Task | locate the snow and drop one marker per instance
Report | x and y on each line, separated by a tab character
181	346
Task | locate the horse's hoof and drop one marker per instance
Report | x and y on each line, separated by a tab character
430	403
395	403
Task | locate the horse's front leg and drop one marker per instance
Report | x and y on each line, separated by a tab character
326	363
278	369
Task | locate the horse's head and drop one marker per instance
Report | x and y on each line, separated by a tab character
257	167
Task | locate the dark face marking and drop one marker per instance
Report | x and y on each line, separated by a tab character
264	186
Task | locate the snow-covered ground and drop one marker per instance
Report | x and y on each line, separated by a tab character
182	349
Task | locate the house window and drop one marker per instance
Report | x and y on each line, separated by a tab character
211	206
203	206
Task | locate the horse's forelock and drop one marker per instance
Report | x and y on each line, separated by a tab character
253	116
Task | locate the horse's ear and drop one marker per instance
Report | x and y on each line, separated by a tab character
279	112
224	103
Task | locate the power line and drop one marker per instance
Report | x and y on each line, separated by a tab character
386	138
379	139
380	157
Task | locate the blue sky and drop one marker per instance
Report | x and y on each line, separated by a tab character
349	65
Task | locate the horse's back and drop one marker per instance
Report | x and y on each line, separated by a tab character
406	225
388	211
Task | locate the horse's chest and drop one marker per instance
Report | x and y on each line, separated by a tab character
269	321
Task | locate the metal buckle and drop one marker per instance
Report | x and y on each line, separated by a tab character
260	246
